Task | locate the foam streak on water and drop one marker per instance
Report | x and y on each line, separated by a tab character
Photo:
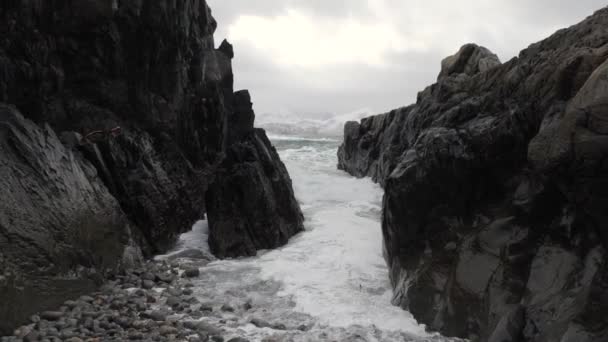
330	281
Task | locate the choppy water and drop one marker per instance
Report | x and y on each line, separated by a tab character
329	283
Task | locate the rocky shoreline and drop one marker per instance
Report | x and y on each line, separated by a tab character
119	129
153	303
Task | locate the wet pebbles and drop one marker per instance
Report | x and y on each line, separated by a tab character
152	304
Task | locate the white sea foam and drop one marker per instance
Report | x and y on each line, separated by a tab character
293	125
279	137
197	238
335	270
331	278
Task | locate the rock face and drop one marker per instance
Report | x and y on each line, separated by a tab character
496	187
470	60
148	67
60	229
250	208
145	108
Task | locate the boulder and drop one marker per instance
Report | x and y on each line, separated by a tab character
251	205
471	59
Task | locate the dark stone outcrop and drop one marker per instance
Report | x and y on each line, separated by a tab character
496	186
149	67
470	60
251	204
250	208
60	229
82	69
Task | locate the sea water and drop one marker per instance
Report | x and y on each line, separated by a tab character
330	283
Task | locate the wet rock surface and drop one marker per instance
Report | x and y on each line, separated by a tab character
145	110
188	309
125	310
495	191
251	204
252	173
61	230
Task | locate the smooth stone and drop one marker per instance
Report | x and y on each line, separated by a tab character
71	304
260	323
87	299
52	315
173	301
167	330
190	300
148	276
248	305
227	308
136	335
148	284
157	315
279	326
208	307
164	277
31	337
192	272
202	327
174	292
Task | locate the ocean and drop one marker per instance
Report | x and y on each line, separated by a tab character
330	283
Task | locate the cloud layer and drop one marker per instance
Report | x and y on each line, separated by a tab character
335	56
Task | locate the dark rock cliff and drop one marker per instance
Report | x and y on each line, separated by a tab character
250	207
496	189
250	203
60	229
104	196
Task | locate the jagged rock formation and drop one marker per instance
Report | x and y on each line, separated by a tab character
496	183
58	222
249	203
150	68
249	206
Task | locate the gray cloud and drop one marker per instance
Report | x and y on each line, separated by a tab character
430	31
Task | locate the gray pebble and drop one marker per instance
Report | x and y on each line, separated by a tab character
167	330
260	323
52	315
192	272
227	308
148	284
173	301
157	315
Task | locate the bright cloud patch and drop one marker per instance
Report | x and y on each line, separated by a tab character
319	56
294	39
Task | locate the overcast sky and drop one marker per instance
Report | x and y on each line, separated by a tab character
338	56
